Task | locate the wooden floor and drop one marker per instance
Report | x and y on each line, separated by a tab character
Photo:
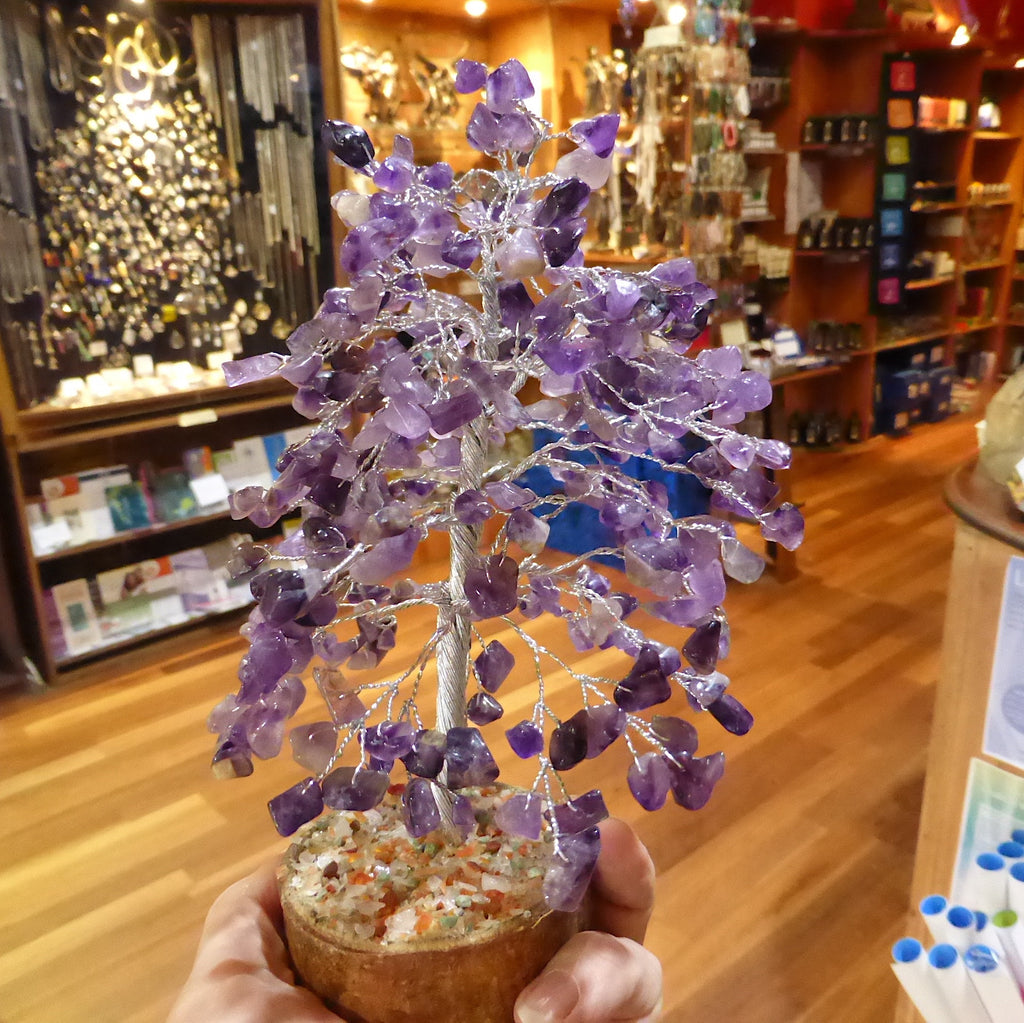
777	903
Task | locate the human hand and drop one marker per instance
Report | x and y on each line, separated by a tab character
604	975
242	972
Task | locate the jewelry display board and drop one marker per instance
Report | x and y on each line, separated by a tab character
162	201
690	89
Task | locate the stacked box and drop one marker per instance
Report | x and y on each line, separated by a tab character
939	402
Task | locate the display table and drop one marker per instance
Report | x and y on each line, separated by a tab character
989	531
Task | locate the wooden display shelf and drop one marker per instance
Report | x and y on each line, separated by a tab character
938	207
127	642
916	339
159	529
962	129
975	328
996	136
838	149
991	264
802	375
929	282
58	434
841	35
835	255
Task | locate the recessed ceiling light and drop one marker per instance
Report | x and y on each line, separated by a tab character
961	37
1020	63
676	14
476	8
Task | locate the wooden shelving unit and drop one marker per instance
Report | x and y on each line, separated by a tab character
836	73
42	443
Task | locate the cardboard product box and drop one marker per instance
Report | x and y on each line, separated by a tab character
901	391
892	421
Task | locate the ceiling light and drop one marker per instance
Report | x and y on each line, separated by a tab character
961	37
676	14
476	8
1020	63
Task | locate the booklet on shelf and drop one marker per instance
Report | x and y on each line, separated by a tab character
139	598
250	465
79	623
129	509
81	500
172	495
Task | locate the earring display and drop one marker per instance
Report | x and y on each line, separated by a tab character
694	101
156	173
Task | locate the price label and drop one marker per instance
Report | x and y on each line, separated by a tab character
197	417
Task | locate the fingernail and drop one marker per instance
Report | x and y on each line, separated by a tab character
549	999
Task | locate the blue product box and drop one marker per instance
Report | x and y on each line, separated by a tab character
889	420
901	391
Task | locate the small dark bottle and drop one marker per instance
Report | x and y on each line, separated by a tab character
854	429
833	430
795	430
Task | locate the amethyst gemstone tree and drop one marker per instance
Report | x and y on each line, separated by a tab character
414	392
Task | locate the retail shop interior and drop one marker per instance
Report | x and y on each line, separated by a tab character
846	175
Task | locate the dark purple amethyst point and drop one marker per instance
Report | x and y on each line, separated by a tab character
296	806
351	788
579	814
570	871
506	85
427	756
483	708
646	684
701	649
468	759
603	724
597	134
470	76
233	757
525	739
493	665
348	143
731	714
679	736
568	744
419	808
649	780
492	587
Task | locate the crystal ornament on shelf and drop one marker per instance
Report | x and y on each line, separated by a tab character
414	391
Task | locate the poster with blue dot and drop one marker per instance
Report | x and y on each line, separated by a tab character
1004	720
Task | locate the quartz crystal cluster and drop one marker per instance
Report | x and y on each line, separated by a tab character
414	392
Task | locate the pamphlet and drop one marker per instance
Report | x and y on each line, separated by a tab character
1004	720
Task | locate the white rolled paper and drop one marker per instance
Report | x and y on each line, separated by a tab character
1011	938
961	927
933	912
910	964
958	992
985	882
997	990
1015	888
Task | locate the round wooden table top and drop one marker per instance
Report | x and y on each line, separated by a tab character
977	499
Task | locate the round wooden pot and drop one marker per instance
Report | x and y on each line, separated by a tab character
458	978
